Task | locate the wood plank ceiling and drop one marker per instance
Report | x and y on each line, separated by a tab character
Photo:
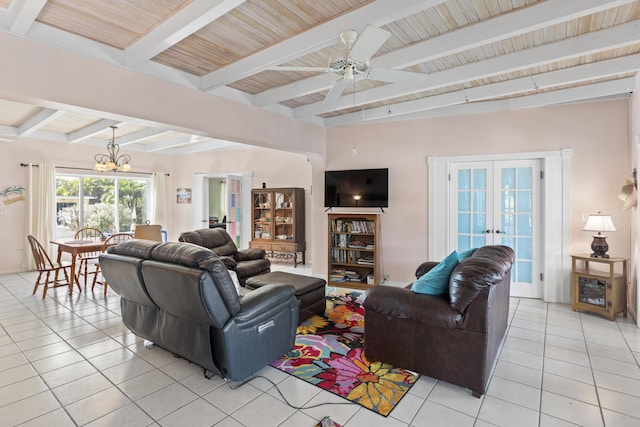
474	55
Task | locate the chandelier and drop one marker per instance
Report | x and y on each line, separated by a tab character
112	161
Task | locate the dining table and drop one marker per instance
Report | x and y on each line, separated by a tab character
75	247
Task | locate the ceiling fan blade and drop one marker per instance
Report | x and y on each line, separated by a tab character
336	90
284	68
371	39
397	76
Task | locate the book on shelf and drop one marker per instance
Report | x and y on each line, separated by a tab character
354	226
366	260
337	274
357	244
362	226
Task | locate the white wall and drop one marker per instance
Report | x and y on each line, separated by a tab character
634	152
276	168
273	167
597	132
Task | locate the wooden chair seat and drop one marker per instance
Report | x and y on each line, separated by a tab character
46	266
88	257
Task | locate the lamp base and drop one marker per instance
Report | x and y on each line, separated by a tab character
599	246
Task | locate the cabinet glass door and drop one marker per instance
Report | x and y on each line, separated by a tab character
592	291
263	224
284	220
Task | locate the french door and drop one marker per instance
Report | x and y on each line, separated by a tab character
498	203
234	205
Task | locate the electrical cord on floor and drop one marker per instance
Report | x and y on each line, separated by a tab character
282	395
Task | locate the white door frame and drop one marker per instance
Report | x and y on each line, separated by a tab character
555	225
200	196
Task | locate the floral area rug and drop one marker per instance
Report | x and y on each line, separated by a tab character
329	353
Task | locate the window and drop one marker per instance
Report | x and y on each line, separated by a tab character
109	204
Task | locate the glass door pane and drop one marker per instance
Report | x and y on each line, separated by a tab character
234	210
469	205
284	215
496	203
262	215
132	204
517	222
67	206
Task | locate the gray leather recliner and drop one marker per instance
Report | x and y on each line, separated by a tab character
180	296
245	262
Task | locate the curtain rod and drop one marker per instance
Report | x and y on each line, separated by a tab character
24	165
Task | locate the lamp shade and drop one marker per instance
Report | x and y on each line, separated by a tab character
599	222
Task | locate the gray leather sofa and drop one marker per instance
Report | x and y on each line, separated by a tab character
245	262
180	296
454	338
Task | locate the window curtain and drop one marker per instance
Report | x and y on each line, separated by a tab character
42	208
159	202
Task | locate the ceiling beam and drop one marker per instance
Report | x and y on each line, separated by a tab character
26	16
38	134
172	143
376	13
139	136
91	130
8	130
185	22
75	43
567	76
43	117
576	94
537	16
589	43
208	145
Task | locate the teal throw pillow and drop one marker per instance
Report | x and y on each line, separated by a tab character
466	254
436	281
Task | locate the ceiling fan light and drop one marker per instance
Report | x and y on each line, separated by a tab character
348	73
348	37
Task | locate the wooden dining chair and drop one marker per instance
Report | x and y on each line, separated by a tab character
88	233
45	266
112	240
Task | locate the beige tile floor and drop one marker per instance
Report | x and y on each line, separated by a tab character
70	361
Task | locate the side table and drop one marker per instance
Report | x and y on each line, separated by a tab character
599	290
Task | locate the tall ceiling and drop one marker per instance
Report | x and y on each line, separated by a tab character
468	56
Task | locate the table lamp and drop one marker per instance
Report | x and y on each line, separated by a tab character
600	223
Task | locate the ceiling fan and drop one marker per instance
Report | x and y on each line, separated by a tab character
355	63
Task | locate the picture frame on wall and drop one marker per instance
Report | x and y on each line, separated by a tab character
183	195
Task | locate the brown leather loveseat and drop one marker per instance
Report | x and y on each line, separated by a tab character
454	337
245	262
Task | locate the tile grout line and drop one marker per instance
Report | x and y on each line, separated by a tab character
49	388
39	375
593	377
544	352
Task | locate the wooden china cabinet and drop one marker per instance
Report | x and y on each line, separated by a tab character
278	223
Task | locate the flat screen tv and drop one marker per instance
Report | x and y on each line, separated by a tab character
358	188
